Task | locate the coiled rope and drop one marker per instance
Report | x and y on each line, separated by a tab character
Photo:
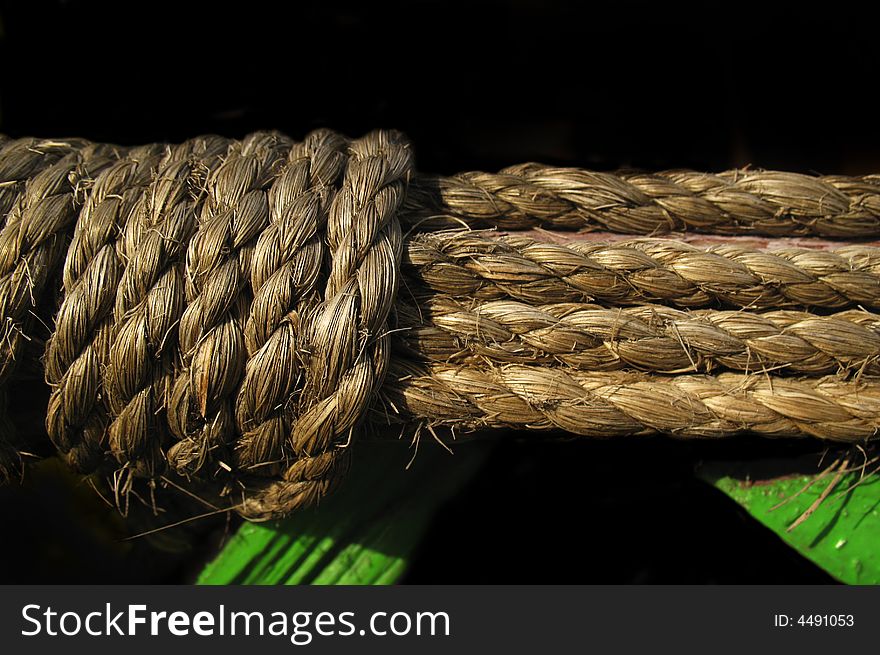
229	309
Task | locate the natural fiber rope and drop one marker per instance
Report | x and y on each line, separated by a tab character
610	404
643	270
43	184
346	340
285	269
224	305
77	415
20	161
648	337
211	331
115	371
734	202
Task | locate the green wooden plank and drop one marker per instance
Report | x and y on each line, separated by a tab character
364	534
841	535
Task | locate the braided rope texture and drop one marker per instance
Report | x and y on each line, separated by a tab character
647	337
42	186
733	202
227	311
644	271
609	404
223	304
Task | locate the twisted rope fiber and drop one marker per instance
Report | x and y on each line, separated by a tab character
485	267
110	225
285	270
21	160
346	339
225	306
618	403
148	306
733	202
150	347
42	209
211	328
648	337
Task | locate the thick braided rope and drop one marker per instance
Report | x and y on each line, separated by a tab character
149	303
649	337
211	327
616	403
733	202
345	340
32	243
20	160
285	269
34	238
244	338
643	270
77	349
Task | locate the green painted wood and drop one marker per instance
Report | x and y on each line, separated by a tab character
366	533
841	536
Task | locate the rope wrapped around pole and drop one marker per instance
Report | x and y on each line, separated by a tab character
236	312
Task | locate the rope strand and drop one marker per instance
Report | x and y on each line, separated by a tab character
41	213
643	271
211	327
76	417
149	303
733	202
346	340
648	337
285	272
617	404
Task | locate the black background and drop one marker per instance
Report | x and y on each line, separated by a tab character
475	84
482	85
